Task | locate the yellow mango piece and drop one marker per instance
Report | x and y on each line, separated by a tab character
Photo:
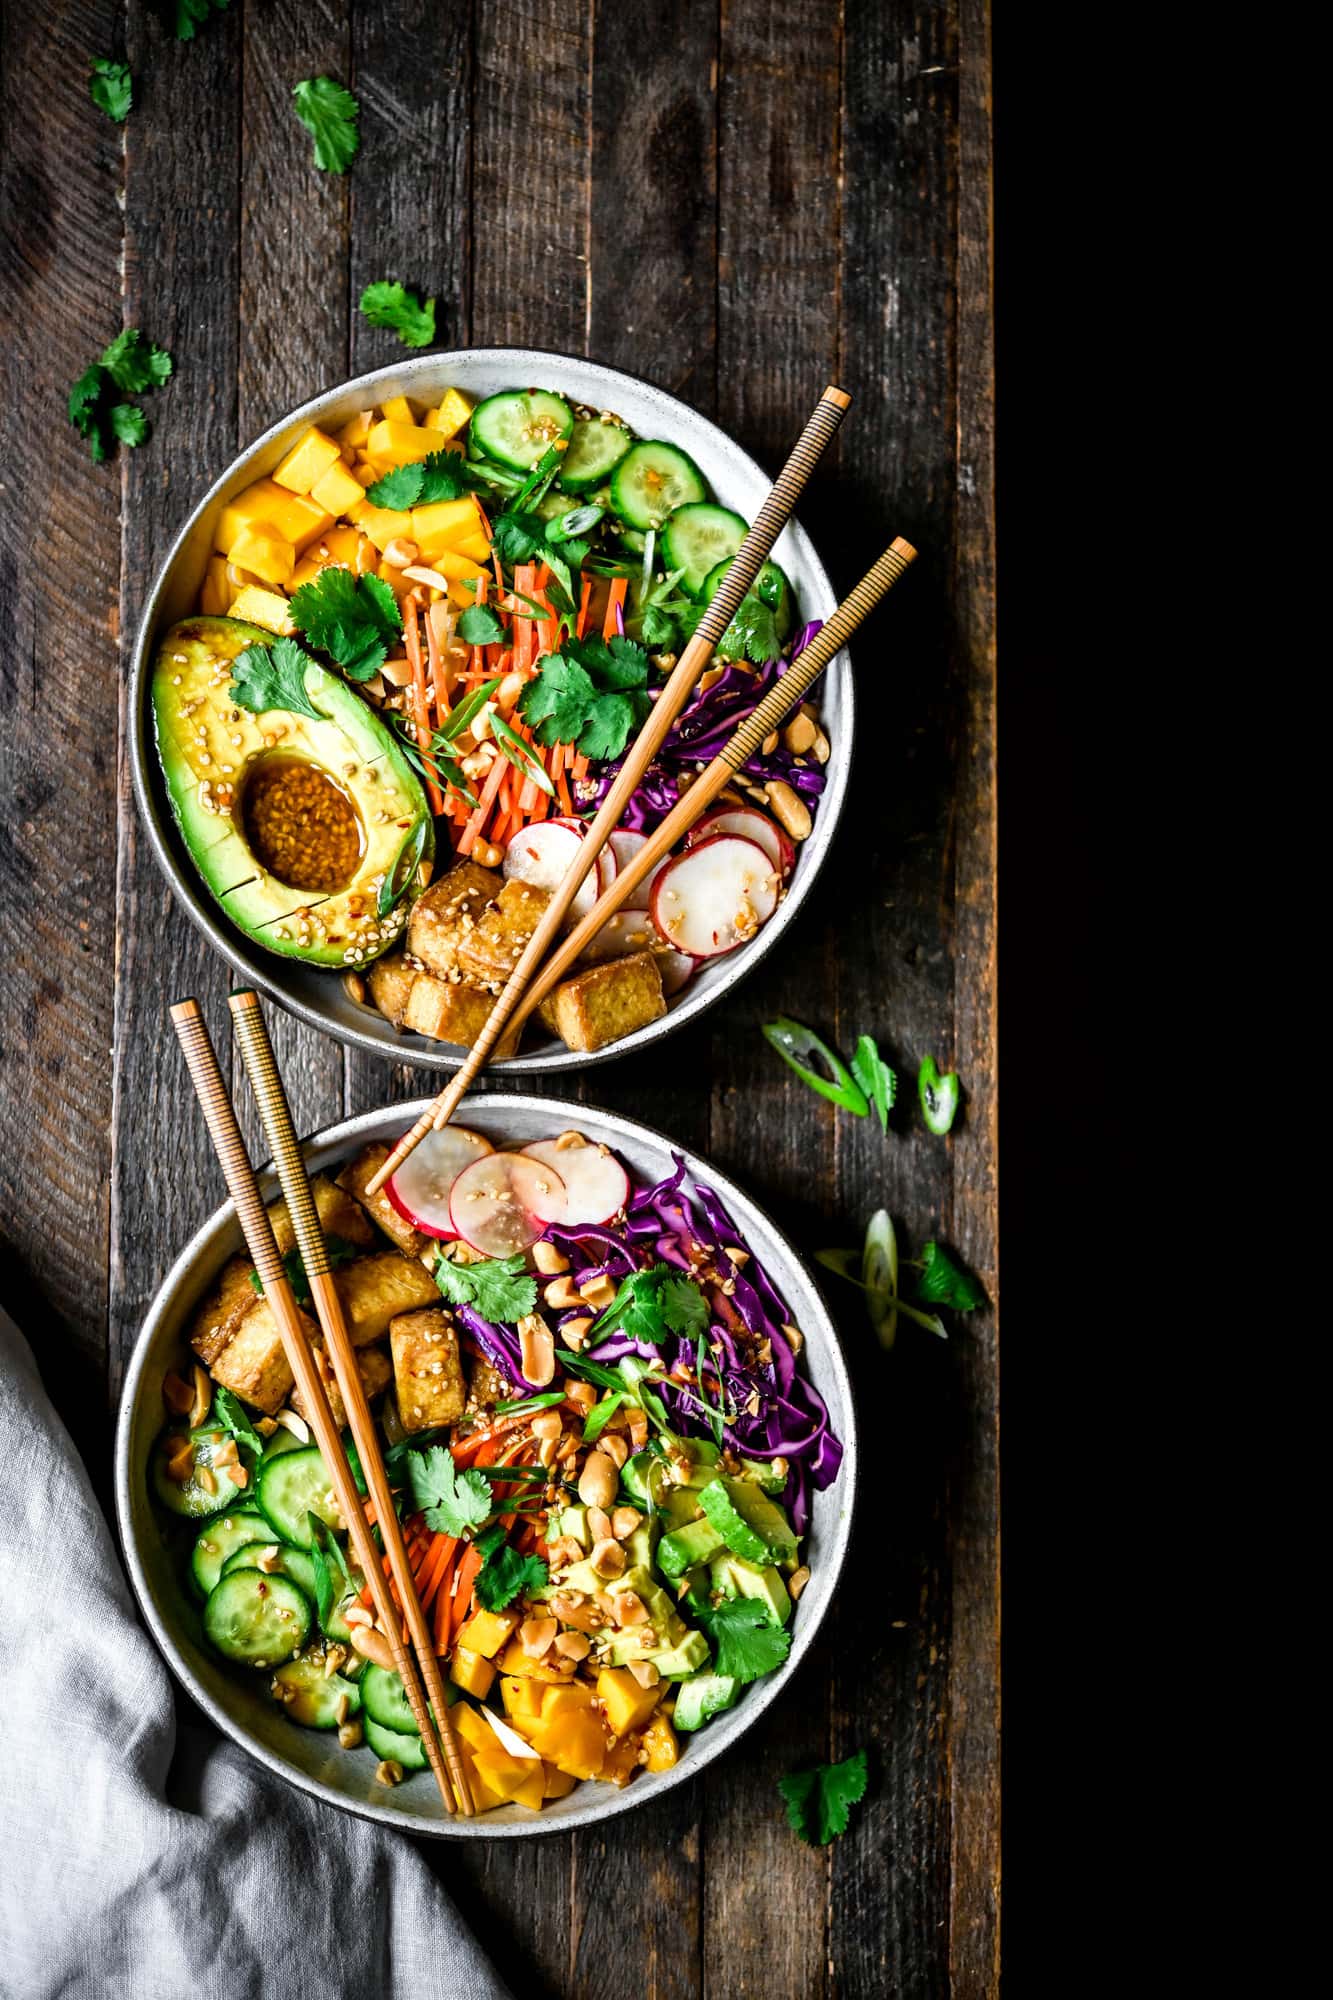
558	1700
398	410
522	1699
308	460
302	522
659	1740
216	593
486	1631
451	415
575	1741
382	524
628	1706
473	1728
503	1772
484	1795
477	545
515	1661
338	489
396	581
393	443
531	1789
555	1782
470	1672
264	553
442	524
334	549
268	608
254	504
353	435
622	1761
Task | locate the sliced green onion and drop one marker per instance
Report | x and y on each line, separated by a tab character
879	1275
792	1042
521	754
600	1416
460	717
525	1403
939	1096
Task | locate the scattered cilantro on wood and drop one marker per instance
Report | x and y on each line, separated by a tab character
819	1801
329	113
391	305
186	17
355	619
875	1270
499	1289
111	87
132	366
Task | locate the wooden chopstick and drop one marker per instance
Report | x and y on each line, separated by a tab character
275	1115
765	717
745	566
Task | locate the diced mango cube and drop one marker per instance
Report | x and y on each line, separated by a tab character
515	1661
302	522
382	524
268	608
470	1672
622	1761
575	1741
393	443
484	1795
353	434
398	410
216	593
558	1700
555	1782
308	460
451	415
337	490
476	545
442	524
486	1631
628	1706
397	582
531	1789
264	553
472	1727
522	1698
659	1740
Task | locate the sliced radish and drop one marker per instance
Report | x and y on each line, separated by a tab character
544	853
715	896
501	1203
420	1188
625	846
626	931
676	968
596	1185
750	824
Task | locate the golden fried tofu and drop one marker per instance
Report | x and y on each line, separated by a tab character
486	1386
446	913
375	1289
448	1011
253	1364
489	951
427	1368
378	1207
373	1367
339	1215
390	981
605	1002
218	1317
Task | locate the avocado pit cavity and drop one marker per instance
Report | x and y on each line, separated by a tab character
300	825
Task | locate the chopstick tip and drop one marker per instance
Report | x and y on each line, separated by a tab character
184	1010
243	1000
833	394
904	548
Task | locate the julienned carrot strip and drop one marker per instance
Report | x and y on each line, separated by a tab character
468	1570
421	703
466	1452
439	670
486	799
433	1568
580	766
616	600
585	598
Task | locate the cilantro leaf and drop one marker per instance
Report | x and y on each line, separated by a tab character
875	1077
506	1574
746	1643
450	1500
393	306
85	409
619	663
266	677
499	1289
944	1283
607	727
556	702
227	1413
135	364
819	1801
329	113
441	476
652	1303
128	422
186	17
684	1306
111	87
752	633
398	489
591	693
355	618
480	626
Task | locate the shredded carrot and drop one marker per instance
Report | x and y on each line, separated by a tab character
584	600
494	779
421	702
615	601
468	1570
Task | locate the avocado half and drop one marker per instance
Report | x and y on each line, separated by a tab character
220	760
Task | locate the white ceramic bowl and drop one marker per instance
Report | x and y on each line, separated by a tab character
240	1704
318	997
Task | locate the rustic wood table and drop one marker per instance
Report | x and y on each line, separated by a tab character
739	203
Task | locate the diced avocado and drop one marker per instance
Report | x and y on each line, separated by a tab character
664	1628
681	1498
735	1577
749	1522
761	1470
701	1697
674	1662
680	1505
644	1478
640	1546
580	1576
686	1546
571	1521
240	782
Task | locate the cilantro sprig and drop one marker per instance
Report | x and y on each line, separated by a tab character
650	1304
265	677
391	305
451	1501
876	1270
132	366
592	693
186	17
499	1289
329	113
355	619
505	1574
111	87
819	1802
438	477
746	1643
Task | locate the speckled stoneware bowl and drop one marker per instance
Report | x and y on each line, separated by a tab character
319	997
240	1704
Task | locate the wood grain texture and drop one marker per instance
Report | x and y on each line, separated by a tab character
739	201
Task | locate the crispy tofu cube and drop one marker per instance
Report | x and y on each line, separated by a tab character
253	1364
339	1213
486	1385
378	1207
382	524
443	524
492	948
605	1002
372	1365
393	443
450	906
449	1011
265	553
337	490
307	461
427	1368
452	413
398	410
215	595
375	1289
390	981
218	1317
268	608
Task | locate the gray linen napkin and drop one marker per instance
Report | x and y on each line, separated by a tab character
136	1858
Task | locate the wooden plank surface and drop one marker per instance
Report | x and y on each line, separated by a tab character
738	201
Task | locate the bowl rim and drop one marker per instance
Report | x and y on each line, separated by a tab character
338	1138
262	968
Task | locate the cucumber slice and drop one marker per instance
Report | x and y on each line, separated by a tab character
772	588
701	539
292	1563
386	1701
653	479
224	1538
193	1499
282	1440
292	1485
595	450
257	1620
748	1521
409	1751
315	1697
517	426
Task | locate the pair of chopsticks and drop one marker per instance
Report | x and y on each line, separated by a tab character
547	955
275	1114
